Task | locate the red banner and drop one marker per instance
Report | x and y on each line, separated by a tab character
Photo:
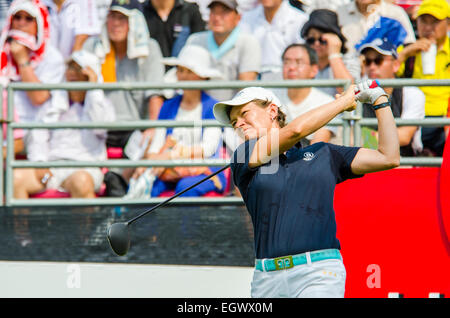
394	229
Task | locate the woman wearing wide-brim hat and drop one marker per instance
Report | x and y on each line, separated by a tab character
194	63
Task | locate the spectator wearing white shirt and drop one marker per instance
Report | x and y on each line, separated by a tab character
300	63
71	23
192	64
72	144
276	24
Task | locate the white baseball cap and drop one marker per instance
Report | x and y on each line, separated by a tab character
243	97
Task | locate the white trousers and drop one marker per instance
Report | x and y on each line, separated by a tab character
321	279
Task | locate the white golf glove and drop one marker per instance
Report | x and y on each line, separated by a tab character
369	91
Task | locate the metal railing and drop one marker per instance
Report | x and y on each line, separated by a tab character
347	121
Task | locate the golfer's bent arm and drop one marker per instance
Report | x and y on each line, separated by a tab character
387	156
277	141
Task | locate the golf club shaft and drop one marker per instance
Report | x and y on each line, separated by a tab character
178	194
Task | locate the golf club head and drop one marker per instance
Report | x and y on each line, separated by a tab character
119	238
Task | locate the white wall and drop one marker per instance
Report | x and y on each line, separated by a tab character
71	280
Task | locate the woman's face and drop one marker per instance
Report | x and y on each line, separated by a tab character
252	120
318	45
185	74
23	21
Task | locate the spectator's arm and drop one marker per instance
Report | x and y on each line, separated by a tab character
155	103
413	108
21	56
79	42
18	147
405	134
411	50
340	71
248	76
37	98
335	59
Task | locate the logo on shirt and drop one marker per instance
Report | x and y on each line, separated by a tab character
308	156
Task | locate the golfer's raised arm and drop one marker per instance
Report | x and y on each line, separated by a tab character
277	141
387	156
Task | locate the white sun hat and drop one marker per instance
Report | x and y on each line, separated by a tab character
197	59
243	97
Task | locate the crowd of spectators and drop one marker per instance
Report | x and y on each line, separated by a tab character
157	41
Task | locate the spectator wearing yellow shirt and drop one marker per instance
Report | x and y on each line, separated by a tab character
432	29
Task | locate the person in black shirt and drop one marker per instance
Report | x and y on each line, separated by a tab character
170	22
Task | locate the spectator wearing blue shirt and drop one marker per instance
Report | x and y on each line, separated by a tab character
288	190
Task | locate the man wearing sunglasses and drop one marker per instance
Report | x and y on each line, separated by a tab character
380	62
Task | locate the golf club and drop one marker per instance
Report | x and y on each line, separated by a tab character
118	234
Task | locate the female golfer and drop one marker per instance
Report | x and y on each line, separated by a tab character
288	190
